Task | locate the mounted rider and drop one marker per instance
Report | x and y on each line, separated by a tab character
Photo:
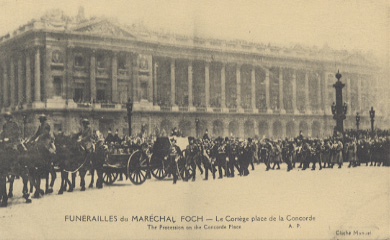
43	134
86	137
10	137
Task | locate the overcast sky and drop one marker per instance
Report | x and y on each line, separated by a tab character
361	25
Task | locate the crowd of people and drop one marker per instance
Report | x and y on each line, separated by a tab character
227	157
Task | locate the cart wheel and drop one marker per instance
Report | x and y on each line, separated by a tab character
109	177
186	172
159	173
137	167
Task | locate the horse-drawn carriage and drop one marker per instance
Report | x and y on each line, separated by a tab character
139	163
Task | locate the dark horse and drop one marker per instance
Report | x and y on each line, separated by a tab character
72	158
40	156
17	160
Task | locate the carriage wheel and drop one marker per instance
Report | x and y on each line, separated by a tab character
185	170
159	173
109	177
137	167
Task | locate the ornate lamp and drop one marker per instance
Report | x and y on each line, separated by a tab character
372	116
357	121
129	107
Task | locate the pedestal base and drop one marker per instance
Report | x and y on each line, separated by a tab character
191	109
143	105
282	111
38	105
269	111
175	108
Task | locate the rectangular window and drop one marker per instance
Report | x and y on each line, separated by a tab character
144	90
121	62
79	61
57	84
100	61
78	95
100	95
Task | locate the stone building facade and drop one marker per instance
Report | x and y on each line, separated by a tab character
74	68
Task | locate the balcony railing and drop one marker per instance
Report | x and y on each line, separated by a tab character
183	108
84	105
217	109
201	109
248	110
166	108
107	105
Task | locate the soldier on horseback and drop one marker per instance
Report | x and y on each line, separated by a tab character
44	136
85	139
10	137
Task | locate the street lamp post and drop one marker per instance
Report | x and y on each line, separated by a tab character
357	121
129	107
372	116
197	127
339	110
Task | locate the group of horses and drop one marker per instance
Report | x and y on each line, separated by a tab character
33	161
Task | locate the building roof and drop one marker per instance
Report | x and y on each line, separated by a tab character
56	20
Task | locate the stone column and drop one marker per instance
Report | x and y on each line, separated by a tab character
281	95
319	104
37	76
207	83
92	76
20	81
241	132
173	82
325	93
238	86
5	85
69	73
28	78
267	93
359	92
223	87
135	77
253	89
190	102
155	94
130	81
307	100
294	92
348	100
12	82
48	83
114	75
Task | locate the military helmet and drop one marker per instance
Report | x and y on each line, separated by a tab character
42	117
85	121
7	115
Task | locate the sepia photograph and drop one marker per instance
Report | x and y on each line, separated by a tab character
195	119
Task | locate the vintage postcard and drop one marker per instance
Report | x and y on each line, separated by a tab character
194	119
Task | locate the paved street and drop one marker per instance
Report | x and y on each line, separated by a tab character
339	200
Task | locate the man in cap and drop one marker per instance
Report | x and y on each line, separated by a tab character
11	132
43	131
10	137
43	136
86	136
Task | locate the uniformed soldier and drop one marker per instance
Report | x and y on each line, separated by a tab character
206	135
43	131
110	138
86	136
10	136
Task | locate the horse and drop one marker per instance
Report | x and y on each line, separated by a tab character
16	160
72	158
40	154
